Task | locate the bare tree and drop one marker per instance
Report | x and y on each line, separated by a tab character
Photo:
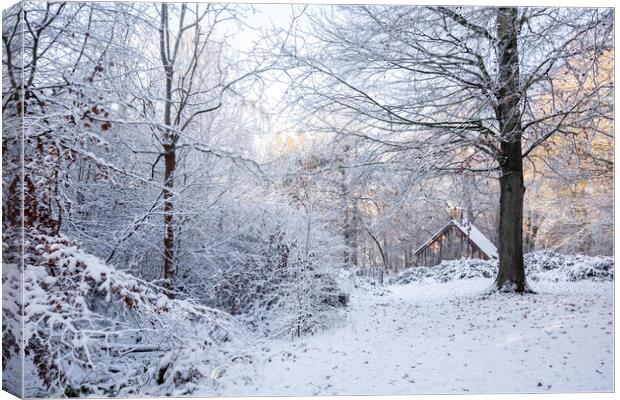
192	52
458	89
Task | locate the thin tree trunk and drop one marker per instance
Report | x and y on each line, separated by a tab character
511	275
169	150
349	220
381	251
169	169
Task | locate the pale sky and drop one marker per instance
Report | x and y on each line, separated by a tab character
265	16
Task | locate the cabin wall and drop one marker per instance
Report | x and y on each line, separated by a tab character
452	244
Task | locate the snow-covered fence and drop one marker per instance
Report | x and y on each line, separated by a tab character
373	273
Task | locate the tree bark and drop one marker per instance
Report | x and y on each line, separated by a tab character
169	169
511	275
169	153
349	221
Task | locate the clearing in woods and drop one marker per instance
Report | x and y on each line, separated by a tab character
447	338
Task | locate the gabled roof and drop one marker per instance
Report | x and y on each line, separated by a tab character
474	235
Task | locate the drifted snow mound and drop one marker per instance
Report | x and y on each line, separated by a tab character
540	265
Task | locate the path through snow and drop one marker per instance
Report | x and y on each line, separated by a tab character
445	338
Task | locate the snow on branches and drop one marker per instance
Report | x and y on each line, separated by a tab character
87	324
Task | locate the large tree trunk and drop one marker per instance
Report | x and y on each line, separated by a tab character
511	275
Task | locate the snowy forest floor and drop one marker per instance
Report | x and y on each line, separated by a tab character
448	338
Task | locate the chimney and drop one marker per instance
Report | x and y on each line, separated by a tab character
456	214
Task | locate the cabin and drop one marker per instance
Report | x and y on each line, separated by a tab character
456	240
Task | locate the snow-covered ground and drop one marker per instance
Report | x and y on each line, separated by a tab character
448	338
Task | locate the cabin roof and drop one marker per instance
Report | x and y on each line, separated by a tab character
474	235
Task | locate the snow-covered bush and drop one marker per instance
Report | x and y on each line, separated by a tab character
549	265
82	316
446	271
283	278
540	265
11	317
